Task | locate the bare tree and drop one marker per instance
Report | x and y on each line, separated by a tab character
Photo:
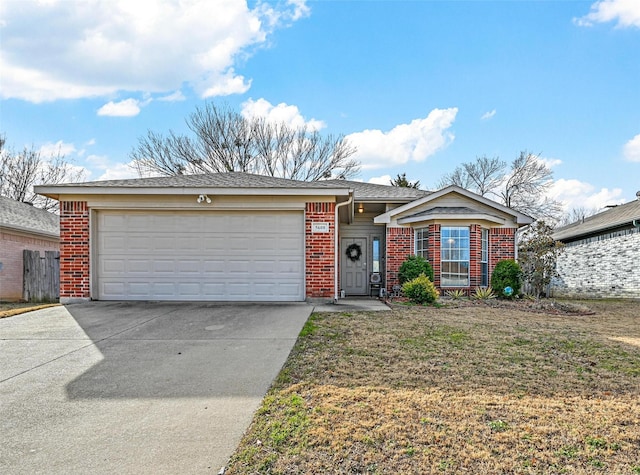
482	176
522	186
20	171
401	181
223	140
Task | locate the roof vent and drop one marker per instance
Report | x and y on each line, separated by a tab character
638	195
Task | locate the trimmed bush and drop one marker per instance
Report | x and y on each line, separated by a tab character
420	290
507	274
413	267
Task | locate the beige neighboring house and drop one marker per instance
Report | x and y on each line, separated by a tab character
22	226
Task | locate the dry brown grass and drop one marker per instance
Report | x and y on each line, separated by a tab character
9	309
473	389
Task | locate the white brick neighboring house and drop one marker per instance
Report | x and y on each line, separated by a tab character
601	258
22	227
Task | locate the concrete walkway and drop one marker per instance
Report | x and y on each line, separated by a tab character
353	304
136	388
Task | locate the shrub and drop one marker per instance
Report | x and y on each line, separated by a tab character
456	294
484	293
420	290
413	267
507	274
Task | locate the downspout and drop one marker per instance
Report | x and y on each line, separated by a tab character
336	247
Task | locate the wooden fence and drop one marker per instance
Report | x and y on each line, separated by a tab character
41	281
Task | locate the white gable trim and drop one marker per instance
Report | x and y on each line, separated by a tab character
452	216
385	218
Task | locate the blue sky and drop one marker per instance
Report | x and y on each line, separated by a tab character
418	87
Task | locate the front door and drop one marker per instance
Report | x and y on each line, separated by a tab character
353	259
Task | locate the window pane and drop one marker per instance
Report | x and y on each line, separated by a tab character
455	253
376	255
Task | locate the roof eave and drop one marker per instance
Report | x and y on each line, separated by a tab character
25	230
452	216
592	232
53	191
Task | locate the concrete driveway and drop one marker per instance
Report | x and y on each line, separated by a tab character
136	387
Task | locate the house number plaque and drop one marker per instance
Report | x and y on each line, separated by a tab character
319	227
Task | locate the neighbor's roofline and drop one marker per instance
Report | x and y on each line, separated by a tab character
23	229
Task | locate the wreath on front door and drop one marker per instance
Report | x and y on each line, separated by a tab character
354	252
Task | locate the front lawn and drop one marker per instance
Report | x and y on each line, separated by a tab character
455	390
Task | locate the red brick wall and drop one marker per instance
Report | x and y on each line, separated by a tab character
74	250
11	273
319	251
475	256
399	246
433	252
502	245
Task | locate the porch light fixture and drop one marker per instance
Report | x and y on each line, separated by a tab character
360	208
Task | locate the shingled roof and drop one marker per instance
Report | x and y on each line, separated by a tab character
373	192
214	180
618	217
233	180
19	216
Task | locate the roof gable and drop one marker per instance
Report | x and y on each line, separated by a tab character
479	207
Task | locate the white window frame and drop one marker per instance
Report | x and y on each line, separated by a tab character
457	254
422	236
484	257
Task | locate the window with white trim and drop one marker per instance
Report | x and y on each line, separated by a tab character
454	256
484	259
422	238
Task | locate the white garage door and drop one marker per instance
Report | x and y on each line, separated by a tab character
151	255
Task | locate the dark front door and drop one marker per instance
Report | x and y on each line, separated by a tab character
354	266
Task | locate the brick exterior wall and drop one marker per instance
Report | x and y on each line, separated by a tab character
11	271
475	256
600	269
319	251
433	252
74	251
399	246
502	245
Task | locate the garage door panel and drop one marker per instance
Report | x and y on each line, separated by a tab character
200	256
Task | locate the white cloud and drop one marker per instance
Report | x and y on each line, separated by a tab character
488	115
625	12
125	108
282	112
415	141
380	180
632	149
96	48
53	149
550	162
176	96
110	170
578	194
